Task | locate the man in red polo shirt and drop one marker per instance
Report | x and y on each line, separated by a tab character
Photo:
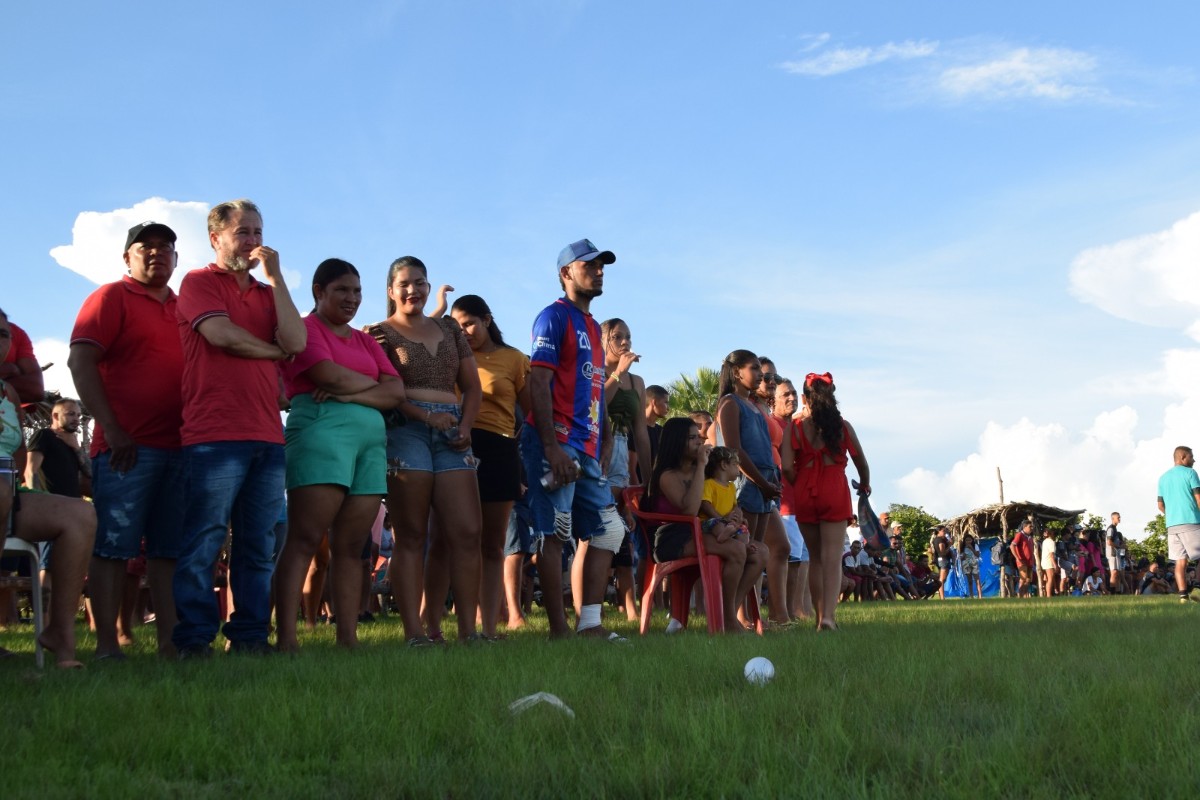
128	366
234	329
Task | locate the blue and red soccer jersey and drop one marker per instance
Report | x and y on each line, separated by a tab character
567	341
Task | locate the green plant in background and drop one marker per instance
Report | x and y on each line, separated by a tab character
694	393
918	527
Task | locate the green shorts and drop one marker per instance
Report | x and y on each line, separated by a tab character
344	444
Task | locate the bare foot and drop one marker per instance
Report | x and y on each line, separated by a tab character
65	658
513	624
125	639
827	626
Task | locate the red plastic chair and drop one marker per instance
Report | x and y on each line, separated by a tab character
684	572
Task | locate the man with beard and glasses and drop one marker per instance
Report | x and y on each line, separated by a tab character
128	364
234	329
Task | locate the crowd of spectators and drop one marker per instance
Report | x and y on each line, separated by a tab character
485	462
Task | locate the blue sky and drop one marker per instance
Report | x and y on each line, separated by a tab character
939	203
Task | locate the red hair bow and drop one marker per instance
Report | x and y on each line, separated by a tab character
813	377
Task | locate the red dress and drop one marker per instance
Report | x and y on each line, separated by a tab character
821	491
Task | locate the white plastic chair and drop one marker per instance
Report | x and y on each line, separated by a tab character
21	548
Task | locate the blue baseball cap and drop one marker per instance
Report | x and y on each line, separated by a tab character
584	250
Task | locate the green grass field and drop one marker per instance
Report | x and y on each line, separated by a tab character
1024	699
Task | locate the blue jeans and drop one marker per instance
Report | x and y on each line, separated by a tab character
236	485
145	502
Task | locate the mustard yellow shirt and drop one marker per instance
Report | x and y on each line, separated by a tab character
723	498
502	373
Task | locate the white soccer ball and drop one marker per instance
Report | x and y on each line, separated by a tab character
759	671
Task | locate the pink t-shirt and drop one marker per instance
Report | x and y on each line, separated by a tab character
360	353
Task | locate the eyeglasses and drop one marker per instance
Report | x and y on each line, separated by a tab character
770	377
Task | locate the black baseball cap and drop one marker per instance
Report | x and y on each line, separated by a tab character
149	228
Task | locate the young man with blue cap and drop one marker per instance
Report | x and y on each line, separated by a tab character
563	437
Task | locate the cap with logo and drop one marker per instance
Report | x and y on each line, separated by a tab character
584	250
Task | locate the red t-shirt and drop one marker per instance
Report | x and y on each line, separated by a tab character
1022	549
360	353
141	362
21	346
227	398
787	491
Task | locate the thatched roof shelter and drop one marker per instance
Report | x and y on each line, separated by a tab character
999	518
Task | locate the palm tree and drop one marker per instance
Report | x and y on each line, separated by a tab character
697	393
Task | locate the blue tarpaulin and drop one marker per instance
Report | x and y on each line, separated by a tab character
989	573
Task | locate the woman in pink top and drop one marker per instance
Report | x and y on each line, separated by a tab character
335	443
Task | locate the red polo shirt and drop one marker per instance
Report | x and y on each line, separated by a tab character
21	346
141	363
227	398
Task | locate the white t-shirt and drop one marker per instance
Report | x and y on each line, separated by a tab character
1048	553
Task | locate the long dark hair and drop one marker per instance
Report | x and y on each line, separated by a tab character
729	367
825	414
672	444
397	265
476	306
329	271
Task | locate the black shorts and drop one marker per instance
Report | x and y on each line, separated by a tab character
624	555
669	541
499	470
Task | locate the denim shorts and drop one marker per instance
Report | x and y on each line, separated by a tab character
147	501
416	447
751	499
519	539
618	464
575	507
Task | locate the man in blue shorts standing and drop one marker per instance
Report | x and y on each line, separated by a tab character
561	441
1179	502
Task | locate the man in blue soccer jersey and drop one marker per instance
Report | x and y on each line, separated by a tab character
562	440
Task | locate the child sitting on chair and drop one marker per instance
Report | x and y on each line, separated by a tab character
719	509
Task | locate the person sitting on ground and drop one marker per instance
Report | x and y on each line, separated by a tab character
927	585
1153	582
856	567
38	517
1094	584
677	487
335	443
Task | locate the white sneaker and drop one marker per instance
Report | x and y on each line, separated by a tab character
674	626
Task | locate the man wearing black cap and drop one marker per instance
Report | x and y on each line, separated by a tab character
564	430
127	363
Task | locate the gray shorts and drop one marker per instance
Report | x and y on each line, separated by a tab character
1183	541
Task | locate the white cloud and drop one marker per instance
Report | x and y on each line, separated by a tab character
1106	467
1046	73
98	238
1148	279
845	59
965	69
58	377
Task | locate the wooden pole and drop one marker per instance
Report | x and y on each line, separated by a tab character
1001	482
